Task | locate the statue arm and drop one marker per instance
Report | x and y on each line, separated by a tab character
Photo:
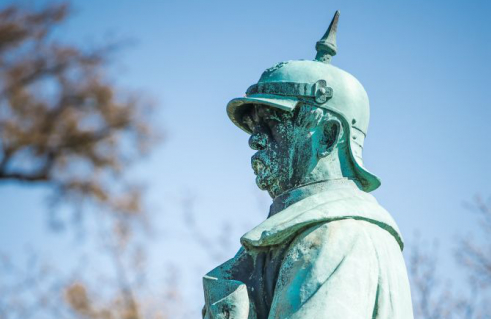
330	271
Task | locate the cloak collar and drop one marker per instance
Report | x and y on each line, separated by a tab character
343	202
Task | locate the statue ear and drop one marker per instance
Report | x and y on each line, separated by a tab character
330	136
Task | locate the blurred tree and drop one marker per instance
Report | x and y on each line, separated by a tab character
433	299
61	122
39	290
476	257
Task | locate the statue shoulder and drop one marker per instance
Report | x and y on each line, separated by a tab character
341	234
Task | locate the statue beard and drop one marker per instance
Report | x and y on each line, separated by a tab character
267	170
277	172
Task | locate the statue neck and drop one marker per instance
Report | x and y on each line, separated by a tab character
296	194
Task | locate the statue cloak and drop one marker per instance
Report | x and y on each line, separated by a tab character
333	255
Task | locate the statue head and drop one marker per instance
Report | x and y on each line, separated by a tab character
308	121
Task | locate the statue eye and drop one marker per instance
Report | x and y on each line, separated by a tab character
247	120
272	123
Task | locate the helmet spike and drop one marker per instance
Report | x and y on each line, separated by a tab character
326	47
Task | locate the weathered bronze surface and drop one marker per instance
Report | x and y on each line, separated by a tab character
327	248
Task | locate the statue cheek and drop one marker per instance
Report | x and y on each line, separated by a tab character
304	159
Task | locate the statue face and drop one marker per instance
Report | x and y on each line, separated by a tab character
286	150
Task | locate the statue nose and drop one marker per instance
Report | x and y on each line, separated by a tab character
258	141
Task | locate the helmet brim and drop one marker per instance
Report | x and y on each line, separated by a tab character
237	107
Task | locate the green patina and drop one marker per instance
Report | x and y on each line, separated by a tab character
327	249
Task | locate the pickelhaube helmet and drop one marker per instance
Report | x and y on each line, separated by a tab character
318	83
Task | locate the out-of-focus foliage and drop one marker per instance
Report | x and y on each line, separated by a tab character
61	121
63	124
434	298
477	258
431	298
42	291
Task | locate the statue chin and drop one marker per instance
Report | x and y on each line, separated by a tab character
263	182
266	182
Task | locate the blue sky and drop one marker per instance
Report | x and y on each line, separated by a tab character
425	66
